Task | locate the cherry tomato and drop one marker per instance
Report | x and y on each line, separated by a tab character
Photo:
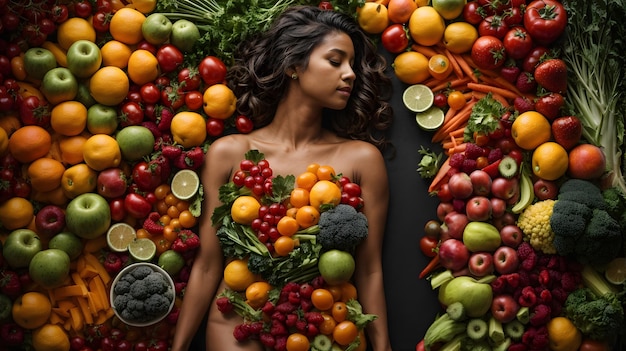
432	229
513	16
59	13
34	36
118	211
494	26
395	39
244	124
150	93
83	9
456	100
428	245
189	79
545	20
10	21
137	206
101	21
473	13
488	52
517	43
214	127
440	100
169	58
212	70
325	5
193	100
132	114
533	58
352	189
104	5
47	26
146	176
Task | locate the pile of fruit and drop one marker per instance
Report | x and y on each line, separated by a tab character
516	244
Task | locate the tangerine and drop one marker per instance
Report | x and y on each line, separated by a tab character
219	101
563	334
245	209
16	212
411	67
50	337
68	118
45	174
426	26
549	161
143	67
237	276
531	129
125	25
109	85
115	53
101	151
257	294
188	128
31	310
71	149
373	18
74	29
30	143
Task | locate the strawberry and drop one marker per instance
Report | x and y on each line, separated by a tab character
550	105
171	152
522	104
153	128
552	75
526	83
510	72
165	116
194	157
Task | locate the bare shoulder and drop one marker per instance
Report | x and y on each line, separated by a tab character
362	152
228	147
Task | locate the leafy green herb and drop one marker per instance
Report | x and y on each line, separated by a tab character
254	156
281	188
196	204
485	117
430	162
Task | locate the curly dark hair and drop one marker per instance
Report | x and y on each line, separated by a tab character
259	80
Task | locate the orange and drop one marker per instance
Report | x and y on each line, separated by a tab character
299	197
10	122
439	66
325	173
531	129
101	151
126	24
284	245
115	53
143	6
219	101
549	161
45	174
287	226
245	209
16	213
411	67
71	149
4	141
373	18
399	11
29	143
426	26
109	85
50	337
563	334
237	276
306	180
68	118
75	29
188	129
143	67
328	324
297	342
322	299
257	294
325	194
307	216
345	332
78	179
31	310
54	197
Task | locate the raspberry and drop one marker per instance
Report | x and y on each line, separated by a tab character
541	315
469	165
473	151
456	160
570	281
494	155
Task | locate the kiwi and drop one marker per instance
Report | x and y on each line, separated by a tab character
321	342
477	329
508	167
456	311
514	329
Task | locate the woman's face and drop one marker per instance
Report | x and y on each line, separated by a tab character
328	79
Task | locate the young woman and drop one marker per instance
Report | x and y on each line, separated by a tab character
313	85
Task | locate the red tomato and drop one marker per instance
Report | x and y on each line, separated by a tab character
104	5
488	52
189	79
214	127
517	43
428	245
59	13
47	26
193	100
83	9
533	58
118	211
137	205
101	21
494	26
169	58
212	70
545	20
513	16
244	124
150	93
132	114
473	13
146	177
34	112
395	39
352	189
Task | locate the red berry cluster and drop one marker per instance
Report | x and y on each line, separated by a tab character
265	225
255	176
350	193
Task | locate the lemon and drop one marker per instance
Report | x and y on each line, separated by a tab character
119	236
418	98
185	184
615	271
426	26
430	119
449	9
459	37
142	249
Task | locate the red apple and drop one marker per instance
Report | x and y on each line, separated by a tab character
504	188
112	183
453	254
505	260
498	207
504	220
481	181
586	161
460	185
504	308
443	194
511	235
478	208
545	189
443	209
50	220
480	264
453	225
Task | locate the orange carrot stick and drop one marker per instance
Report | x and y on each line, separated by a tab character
501	99
455	83
424	50
458	132
449	114
457	149
484	88
441	176
455	64
466	67
501	83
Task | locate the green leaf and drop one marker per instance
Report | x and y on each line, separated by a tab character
281	188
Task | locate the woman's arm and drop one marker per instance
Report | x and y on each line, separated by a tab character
372	177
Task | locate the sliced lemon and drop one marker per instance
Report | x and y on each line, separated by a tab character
142	249
119	236
615	271
431	119
185	184
418	98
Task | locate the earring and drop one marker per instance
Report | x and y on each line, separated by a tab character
294	76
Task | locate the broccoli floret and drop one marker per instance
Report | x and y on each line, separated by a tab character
155	283
135	305
141	272
138	290
591	199
602	240
342	228
156	305
122	287
615	201
127	278
574	184
564	246
599	317
260	264
121	301
569	218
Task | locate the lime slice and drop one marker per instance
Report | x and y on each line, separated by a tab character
119	236
142	249
418	98
431	119
185	184
615	271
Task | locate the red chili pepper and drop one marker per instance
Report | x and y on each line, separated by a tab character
431	266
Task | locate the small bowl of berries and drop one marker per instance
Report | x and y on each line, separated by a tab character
142	294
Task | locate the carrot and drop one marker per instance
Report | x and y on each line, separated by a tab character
449	114
424	50
441	176
454	142
501	99
478	95
430	267
457	149
466	67
484	88
454	122
502	83
458	132
456	67
453	82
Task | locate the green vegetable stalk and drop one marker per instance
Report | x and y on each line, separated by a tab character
443	330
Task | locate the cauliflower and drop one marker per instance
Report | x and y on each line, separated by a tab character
534	222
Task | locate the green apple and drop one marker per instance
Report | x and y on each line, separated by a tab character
184	35
88	215
68	242
101	119
336	266
84	95
475	296
83	58
135	142
38	61
59	85
171	262
156	29
20	246
49	268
